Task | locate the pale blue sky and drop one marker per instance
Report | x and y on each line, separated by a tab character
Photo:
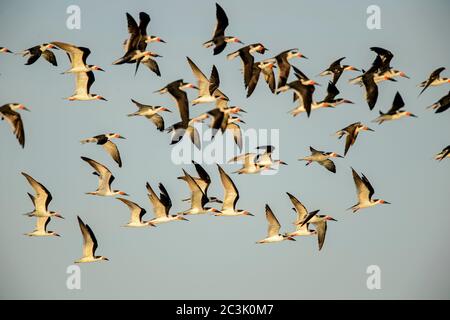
211	257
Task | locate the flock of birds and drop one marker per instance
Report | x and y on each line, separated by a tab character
224	118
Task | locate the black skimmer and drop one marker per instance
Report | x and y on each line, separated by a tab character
371	93
230	197
41	228
219	40
105	178
90	244
5	50
303	88
336	69
434	80
273	232
247	59
136	44
203	180
284	67
235	130
320	222
265	158
221	116
364	192
35	52
8	112
322	158
138	34
176	90
441	105
151	113
41	200
445	153
394	113
266	67
136	214
250	165
198	198
208	89
77	57
83	83
161	206
105	140
330	101
302	214
351	131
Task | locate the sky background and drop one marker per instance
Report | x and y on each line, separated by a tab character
210	257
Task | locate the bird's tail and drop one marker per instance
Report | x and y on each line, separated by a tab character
208	44
88	140
354	208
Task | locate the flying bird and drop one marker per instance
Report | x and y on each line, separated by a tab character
105	178
90	244
203	181
442	104
302	214
336	69
352	132
34	53
265	68
230	197
320	222
151	113
77	57
41	228
105	140
303	87
434	80
265	159
330	101
136	214
5	50
9	113
161	206
273	232
219	40
322	158
245	53
364	192
445	153
198	198
208	89
83	83
284	66
395	112
41	199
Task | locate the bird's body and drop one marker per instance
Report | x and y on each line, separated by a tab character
34	53
230	197
302	214
336	70
434	80
351	131
161	206
442	104
105	178
105	140
90	244
445	153
151	113
320	222
395	112
9	113
83	83
41	200
219	40
273	232
364	192
41	228
322	158
77	57
303	88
